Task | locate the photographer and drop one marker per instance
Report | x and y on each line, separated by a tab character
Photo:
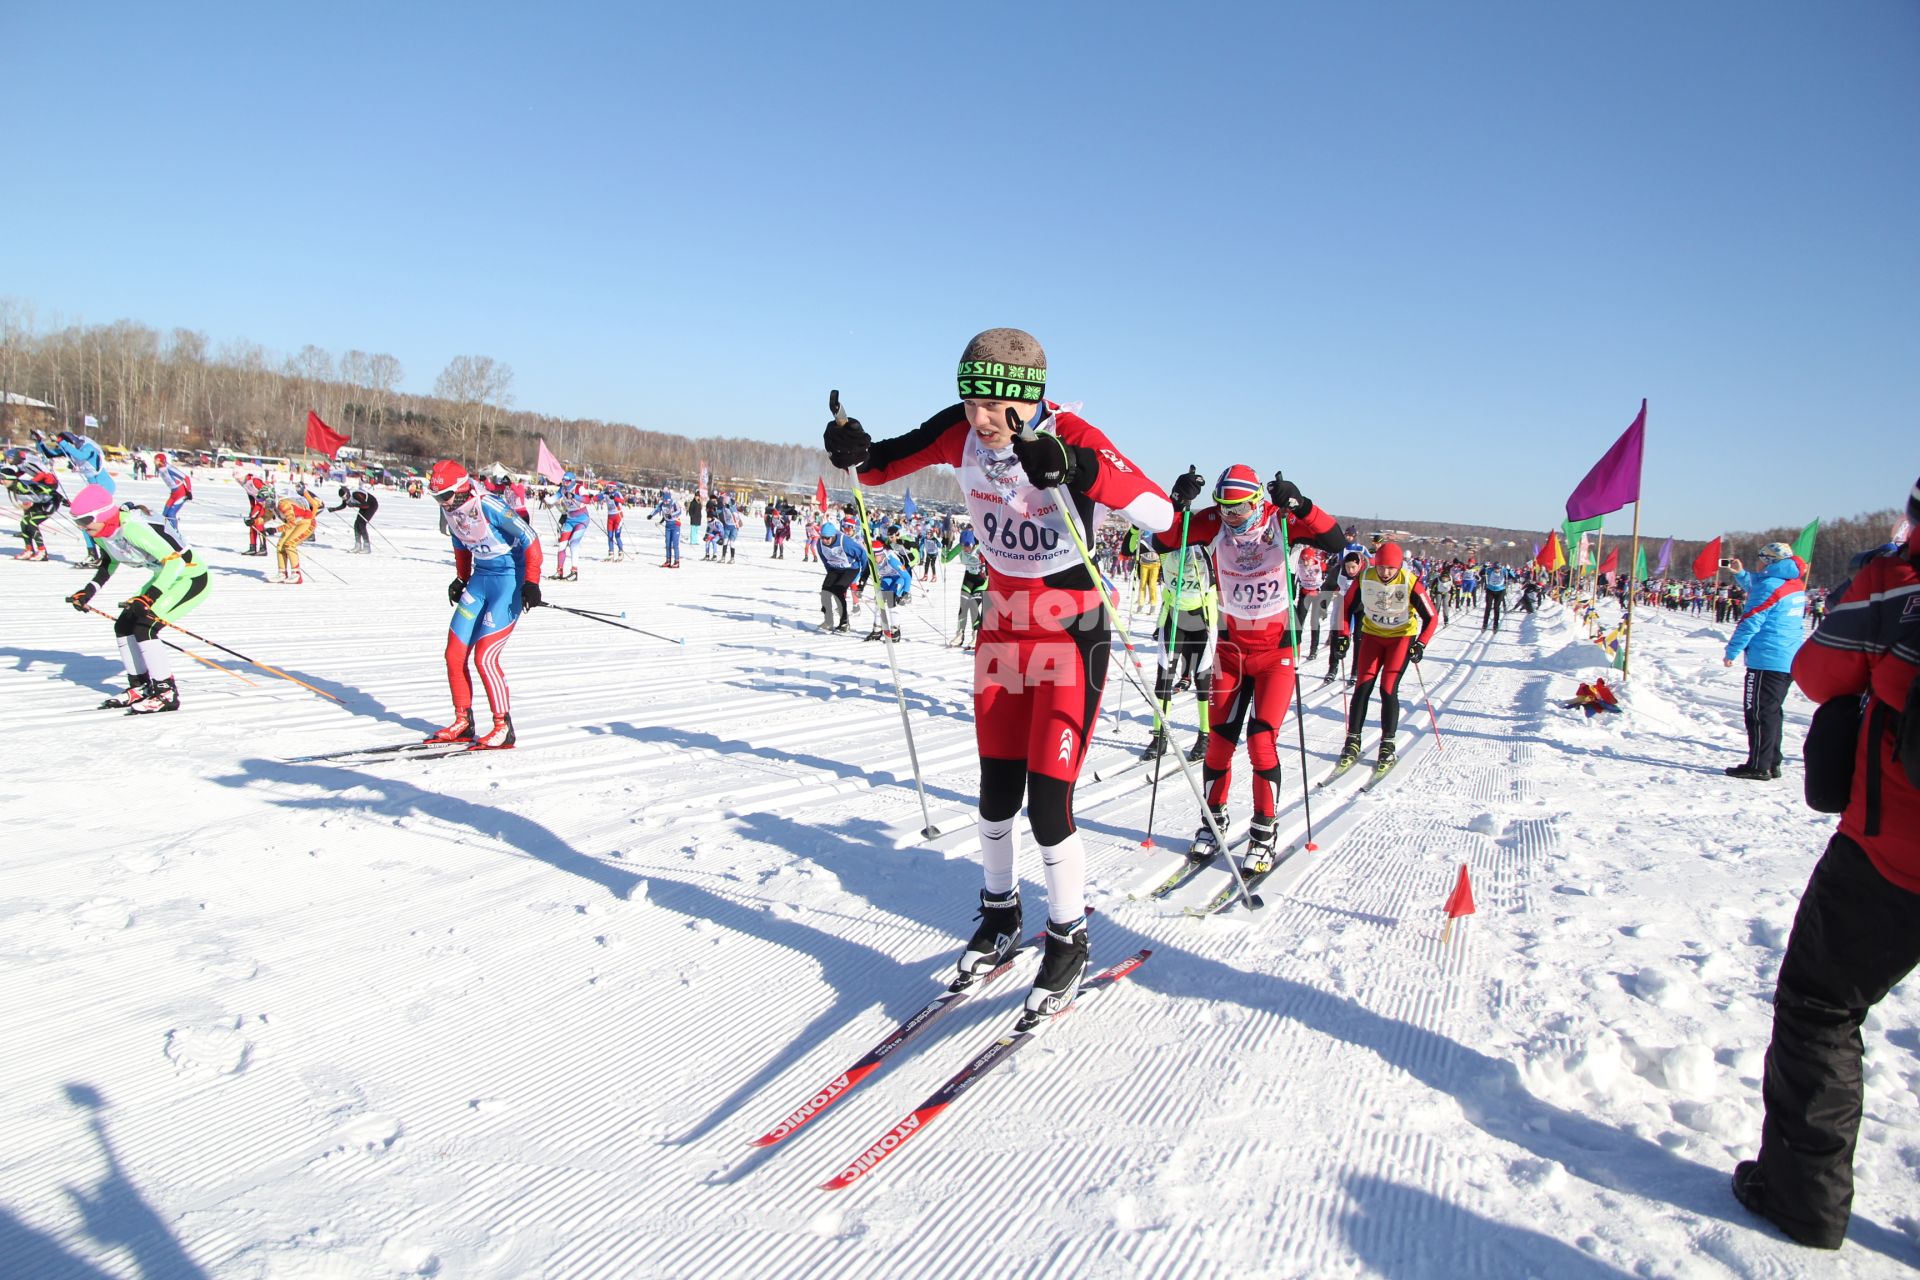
1857	931
1768	634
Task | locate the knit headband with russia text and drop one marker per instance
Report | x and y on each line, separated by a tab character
989	380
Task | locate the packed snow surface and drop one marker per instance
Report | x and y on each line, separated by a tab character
520	1013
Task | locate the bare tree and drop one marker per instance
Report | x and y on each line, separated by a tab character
477	386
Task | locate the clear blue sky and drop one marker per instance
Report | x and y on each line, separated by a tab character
1426	257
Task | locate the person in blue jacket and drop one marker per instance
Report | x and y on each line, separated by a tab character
1769	634
667	511
845	560
86	457
1496	585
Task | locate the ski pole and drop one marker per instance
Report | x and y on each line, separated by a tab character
308	559
180	649
591	616
1168	645
270	670
886	623
1028	434
1299	700
1431	718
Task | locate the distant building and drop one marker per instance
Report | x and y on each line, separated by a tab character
24	413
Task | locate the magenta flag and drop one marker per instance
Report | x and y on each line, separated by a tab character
1615	479
548	465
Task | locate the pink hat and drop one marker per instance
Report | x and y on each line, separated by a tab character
95	503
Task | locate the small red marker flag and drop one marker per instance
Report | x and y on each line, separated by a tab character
1459	903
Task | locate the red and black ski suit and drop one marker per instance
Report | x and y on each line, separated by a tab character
1041	664
1857	931
1253	667
1389	613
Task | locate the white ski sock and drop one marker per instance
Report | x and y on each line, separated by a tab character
996	855
1066	878
130	656
154	656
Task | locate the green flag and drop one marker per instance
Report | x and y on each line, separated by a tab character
1640	565
1803	545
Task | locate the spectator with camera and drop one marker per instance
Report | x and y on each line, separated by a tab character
1857	931
1768	635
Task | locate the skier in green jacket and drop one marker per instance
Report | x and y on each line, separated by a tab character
176	586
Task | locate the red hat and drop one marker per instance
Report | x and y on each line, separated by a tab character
1388	556
448	476
1237	483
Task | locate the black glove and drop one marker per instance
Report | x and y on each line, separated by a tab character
1339	646
83	597
530	595
1186	489
848	444
1416	651
1285	494
1051	462
454	589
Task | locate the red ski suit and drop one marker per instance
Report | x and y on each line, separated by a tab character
1041	663
1253	667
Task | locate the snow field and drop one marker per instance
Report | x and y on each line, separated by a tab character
517	1014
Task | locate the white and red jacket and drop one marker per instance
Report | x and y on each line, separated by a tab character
1022	529
1250	564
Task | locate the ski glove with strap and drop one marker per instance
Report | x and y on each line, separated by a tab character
454	590
1186	489
1051	462
1339	646
1416	651
83	597
1285	494
530	595
848	444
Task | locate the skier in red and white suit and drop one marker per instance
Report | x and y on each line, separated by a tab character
1044	641
1253	667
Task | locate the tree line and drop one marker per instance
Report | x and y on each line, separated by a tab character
176	389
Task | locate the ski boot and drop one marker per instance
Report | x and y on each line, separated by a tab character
1349	752
136	690
1156	746
995	939
159	695
461	730
498	738
1261	842
1205	844
1198	751
1386	761
1061	969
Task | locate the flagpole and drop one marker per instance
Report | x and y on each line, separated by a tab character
1626	649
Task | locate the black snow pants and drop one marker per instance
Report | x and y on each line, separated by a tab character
1763	702
1854	938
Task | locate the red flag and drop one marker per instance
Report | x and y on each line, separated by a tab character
322	438
820	494
1460	901
1550	556
1707	563
1612	562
